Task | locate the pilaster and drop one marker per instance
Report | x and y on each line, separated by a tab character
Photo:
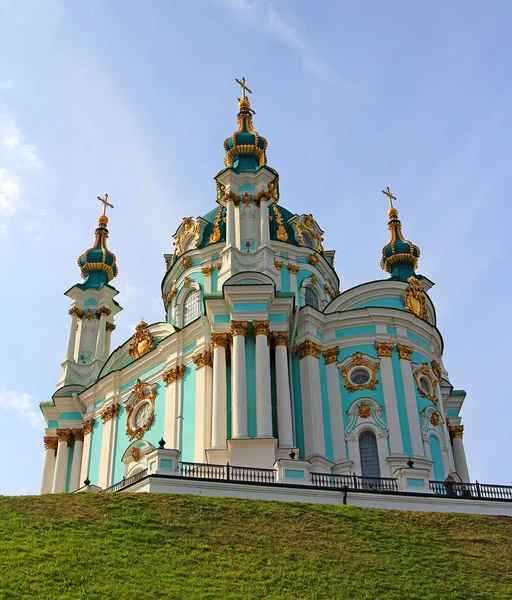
172	379
109	417
203	362
50	452
86	450
284	405
335	409
219	342
263	401
238	379
61	464
411	405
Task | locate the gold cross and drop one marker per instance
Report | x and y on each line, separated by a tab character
105	203
387	192
243	86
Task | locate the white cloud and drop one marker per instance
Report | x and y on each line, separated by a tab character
23	404
262	15
9	194
13	147
5	85
127	292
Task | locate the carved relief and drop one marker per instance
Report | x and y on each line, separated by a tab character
142	342
278	264
281	231
438	372
186	262
364	410
313	259
110	326
456	431
103	311
215	236
414	299
189	227
308	224
435	419
136	454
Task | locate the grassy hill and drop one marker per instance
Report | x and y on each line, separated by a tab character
156	546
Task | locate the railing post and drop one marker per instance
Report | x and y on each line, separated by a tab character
355	481
478	490
227	472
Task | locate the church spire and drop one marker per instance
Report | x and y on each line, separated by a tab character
399	256
98	264
245	149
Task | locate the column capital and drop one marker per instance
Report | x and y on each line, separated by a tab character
308	348
207	270
65	435
294	269
173	374
220	339
50	442
405	351
239	328
87	426
278	264
103	311
110	412
110	326
261	328
331	355
456	431
438	372
384	349
76	312
78	434
230	196
202	359
280	338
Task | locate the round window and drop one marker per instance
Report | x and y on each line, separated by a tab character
359	376
143	415
425	385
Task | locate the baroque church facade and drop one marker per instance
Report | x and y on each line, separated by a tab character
261	357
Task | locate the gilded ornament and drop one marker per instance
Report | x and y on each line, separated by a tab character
435	419
294	269
78	434
142	342
424	371
239	328
51	442
219	266
273	187
89	314
328	289
384	348
260	328
313	279
136	454
76	312
207	270
356	360
456	431
186	262
173	374
246	199
87	426
313	259
280	338
262	195
278	264
364	410
143	393
202	359
110	412
308	348
281	231
103	311
404	351
436	367
215	236
414	299
189	227
186	282
65	435
331	355
307	224
220	339
110	326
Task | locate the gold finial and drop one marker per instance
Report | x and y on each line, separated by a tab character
387	192
241	83
105	204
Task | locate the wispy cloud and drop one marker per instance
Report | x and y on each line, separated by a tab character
262	15
14	148
24	405
5	85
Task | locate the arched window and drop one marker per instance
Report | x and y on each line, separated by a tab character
310	297
191	307
309	241
369	455
188	243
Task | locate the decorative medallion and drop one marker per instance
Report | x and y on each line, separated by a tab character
331	355
207	270
384	348
313	279
173	374
435	419
141	413
142	342
353	375
186	262
414	299
364	410
404	351
136	454
308	348
426	382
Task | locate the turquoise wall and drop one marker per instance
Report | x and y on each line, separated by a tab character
70	463
95	455
384	303
418	339
273	393
350	331
250	382
214	281
285	279
437	457
400	399
121	443
142	377
297	405
188	423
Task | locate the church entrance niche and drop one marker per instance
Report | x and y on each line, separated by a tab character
369	455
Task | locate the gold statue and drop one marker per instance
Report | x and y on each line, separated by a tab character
387	192
105	204
244	87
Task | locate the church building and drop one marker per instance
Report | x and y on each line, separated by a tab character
261	357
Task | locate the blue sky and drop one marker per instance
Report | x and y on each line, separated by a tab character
135	98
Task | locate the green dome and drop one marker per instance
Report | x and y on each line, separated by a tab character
399	256
98	264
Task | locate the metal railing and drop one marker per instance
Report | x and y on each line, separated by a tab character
482	491
355	482
126	481
227	472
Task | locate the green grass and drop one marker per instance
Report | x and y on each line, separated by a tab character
160	546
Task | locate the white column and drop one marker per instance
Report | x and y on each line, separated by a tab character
293	269
335	409
108	339
314	441
411	405
86	451
459	455
384	350
238	380
265	229
257	230
102	329
263	398
202	437
230	221
75	313
76	465
284	405
61	464
109	418
172	379
50	448
219	415
238	225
